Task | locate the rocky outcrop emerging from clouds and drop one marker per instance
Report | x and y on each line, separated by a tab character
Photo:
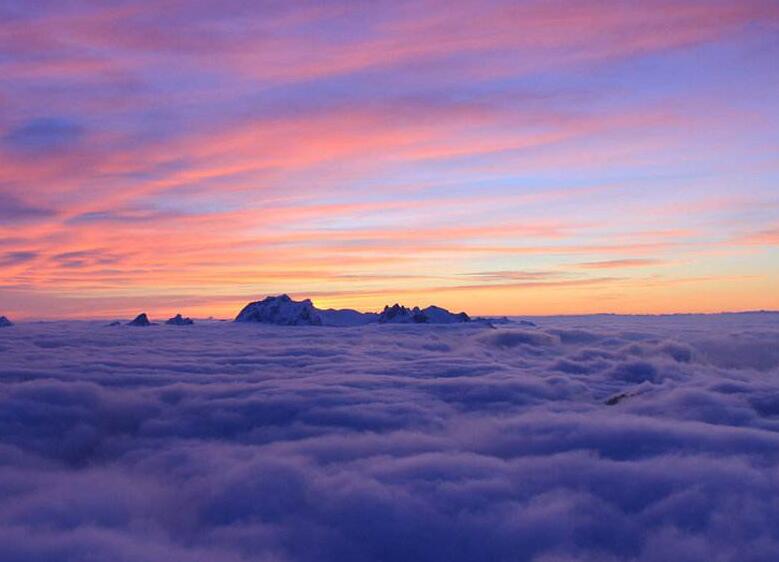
5	322
179	320
140	320
282	310
397	314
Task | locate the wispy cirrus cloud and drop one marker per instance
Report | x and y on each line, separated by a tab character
619	264
41	135
16	211
16	258
767	237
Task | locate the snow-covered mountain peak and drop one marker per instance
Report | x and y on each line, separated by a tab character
281	310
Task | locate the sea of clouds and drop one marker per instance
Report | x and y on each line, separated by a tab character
601	438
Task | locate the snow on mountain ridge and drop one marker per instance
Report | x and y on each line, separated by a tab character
281	310
179	320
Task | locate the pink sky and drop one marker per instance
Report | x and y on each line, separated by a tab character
517	157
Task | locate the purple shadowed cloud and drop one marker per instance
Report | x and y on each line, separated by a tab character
15	211
42	135
14	258
586	439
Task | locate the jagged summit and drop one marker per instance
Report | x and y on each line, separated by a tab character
179	320
140	320
398	314
5	322
283	310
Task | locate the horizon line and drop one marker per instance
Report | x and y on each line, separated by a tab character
31	320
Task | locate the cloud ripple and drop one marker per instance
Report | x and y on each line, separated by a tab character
222	442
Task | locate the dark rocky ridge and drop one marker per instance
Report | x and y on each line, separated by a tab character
179	320
140	320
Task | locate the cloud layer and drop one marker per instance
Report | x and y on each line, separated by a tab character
588	439
218	150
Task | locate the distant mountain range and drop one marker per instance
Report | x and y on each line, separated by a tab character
282	310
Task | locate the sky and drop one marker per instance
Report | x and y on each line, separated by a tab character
519	157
